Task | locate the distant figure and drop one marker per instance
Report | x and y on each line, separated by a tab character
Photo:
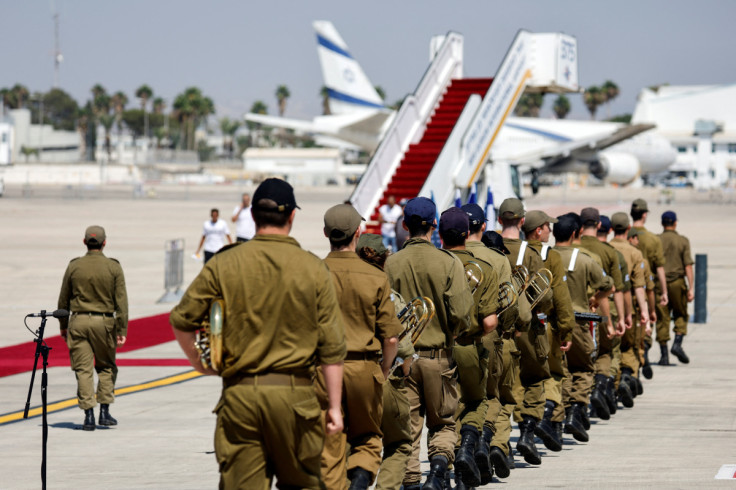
389	213
402	234
213	236
93	290
245	227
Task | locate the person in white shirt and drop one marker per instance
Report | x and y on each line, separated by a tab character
213	236
245	227
388	214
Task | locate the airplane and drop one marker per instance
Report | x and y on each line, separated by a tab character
612	152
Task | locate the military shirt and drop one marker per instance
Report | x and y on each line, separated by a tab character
562	318
364	295
281	312
585	274
485	297
533	262
634	261
501	265
677	254
608	256
95	283
651	247
420	269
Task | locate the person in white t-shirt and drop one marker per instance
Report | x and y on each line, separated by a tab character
214	235
245	227
389	213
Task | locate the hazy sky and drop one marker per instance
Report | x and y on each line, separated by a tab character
240	51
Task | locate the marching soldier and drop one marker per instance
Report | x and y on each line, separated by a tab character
678	266
371	327
420	269
280	317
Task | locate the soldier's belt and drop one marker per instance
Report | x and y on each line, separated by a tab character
273	379
362	356
440	353
588	317
94	313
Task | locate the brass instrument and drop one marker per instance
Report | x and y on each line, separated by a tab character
415	316
209	338
507	296
474	275
520	279
538	285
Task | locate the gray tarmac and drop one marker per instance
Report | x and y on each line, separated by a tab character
679	434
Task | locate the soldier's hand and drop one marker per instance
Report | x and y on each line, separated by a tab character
664	300
333	421
64	333
565	346
648	330
121	339
621	327
610	331
643	319
652	316
690	295
629	320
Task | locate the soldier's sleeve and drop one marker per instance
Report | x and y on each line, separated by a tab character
121	302
331	347
637	270
659	258
597	279
195	304
648	276
687	258
65	297
458	299
488	303
615	272
387	325
625	273
564	313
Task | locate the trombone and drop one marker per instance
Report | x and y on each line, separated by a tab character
415	316
474	275
507	296
538	286
209	338
520	278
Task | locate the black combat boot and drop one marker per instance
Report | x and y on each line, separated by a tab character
437	471
573	423
545	430
412	487
598	397
677	349
646	369
624	394
89	419
465	468
483	456
105	417
360	479
509	460
500	462
611	395
558	431
627	376
526	445
585	415
664	357
639	385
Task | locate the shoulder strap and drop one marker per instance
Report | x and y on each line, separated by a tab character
522	250
573	259
545	251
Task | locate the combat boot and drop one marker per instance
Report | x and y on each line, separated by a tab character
500	462
639	384
526	445
509	460
465	468
437	472
611	395
360	479
646	369
627	376
483	456
545	430
598	397
558	431
677	349
585	416
573	424
105	417
664	357
625	395
89	419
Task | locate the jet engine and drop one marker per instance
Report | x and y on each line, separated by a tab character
616	168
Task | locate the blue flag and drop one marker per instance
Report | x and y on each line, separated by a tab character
458	198
473	199
435	234
490	211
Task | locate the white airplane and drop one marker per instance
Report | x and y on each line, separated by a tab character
613	152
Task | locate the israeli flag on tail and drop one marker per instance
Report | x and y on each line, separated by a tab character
435	234
490	211
458	198
473	199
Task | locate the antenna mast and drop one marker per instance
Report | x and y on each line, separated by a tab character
58	58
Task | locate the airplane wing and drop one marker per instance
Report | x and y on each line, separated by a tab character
280	122
370	124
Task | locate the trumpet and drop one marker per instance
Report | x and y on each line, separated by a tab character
209	338
539	285
415	316
520	278
507	296
474	275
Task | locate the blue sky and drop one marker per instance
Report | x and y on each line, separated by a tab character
240	51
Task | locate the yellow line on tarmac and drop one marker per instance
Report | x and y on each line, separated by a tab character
71	402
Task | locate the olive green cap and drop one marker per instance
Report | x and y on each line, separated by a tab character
511	208
371	240
632	233
535	219
341	221
640	205
94	234
619	222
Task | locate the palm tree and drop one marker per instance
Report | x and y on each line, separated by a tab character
258	107
7	98
529	105
381	93
98	90
282	93
118	101
593	97
184	112
107	120
159	105
144	92
228	128
611	91
561	107
20	95
324	92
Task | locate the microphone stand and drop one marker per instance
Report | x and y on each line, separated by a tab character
43	350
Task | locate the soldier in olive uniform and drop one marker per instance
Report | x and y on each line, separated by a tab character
281	316
371	327
678	266
471	356
93	290
420	269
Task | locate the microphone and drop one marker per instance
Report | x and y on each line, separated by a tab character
55	314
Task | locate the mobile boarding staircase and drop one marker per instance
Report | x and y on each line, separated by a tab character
443	133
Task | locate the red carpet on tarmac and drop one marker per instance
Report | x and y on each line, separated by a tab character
143	332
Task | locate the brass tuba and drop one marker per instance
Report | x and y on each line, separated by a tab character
415	316
474	275
209	338
507	296
539	285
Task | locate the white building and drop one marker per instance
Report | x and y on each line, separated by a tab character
52	145
301	166
700	122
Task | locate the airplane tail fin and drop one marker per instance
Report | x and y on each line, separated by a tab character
348	87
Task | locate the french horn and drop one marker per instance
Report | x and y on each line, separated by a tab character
209	338
474	275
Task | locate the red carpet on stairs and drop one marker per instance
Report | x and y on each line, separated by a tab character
421	157
142	332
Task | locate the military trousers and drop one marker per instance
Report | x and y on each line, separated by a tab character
675	310
659	309
498	417
472	378
92	342
432	393
553	385
397	438
267	431
604	352
580	364
533	371
630	343
362	405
